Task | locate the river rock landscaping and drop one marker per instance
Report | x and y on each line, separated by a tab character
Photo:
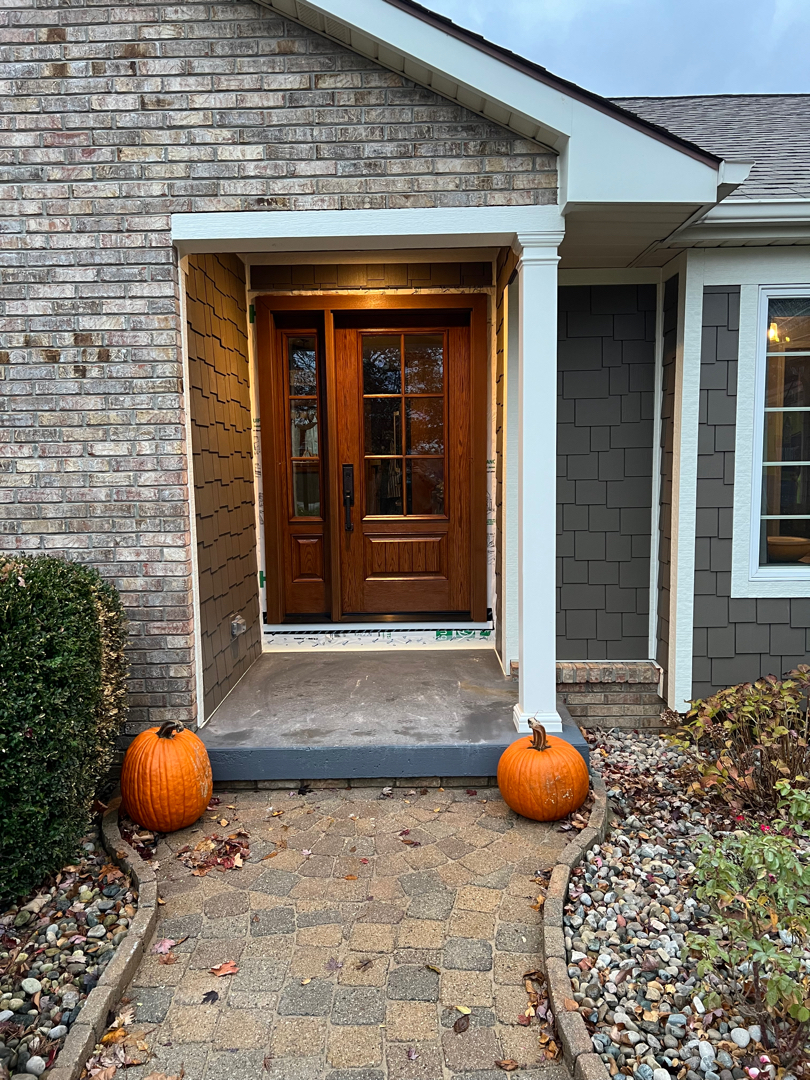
631	905
53	949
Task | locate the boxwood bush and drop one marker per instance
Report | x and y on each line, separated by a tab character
62	703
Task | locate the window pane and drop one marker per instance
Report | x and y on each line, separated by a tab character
789	323
788	381
424	363
425	425
381	364
383	425
384	486
301	360
785	542
425	486
306	488
304	427
786	489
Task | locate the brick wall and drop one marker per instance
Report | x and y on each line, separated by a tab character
735	639
670	333
606	371
222	454
122	115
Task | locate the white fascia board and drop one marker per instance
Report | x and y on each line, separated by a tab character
338	230
602	159
744	219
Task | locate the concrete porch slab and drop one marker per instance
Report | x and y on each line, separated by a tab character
367	714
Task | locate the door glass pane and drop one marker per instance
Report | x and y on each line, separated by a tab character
788	324
302	366
304	428
424	425
424	363
383	425
306	488
384	486
786	489
785	542
425	486
381	364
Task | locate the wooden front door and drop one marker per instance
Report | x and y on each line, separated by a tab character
377	483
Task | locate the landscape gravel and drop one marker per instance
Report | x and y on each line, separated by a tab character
53	949
630	906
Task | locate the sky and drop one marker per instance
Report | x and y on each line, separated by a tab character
658	47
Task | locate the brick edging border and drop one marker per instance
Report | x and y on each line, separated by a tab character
92	1019
578	1051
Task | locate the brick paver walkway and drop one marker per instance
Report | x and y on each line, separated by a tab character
353	947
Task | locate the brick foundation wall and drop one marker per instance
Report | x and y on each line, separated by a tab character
611	695
113	118
222	453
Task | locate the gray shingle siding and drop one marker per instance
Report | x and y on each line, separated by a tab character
604	470
670	334
735	639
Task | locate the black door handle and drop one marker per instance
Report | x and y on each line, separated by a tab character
348	495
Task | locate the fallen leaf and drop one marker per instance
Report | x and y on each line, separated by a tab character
350	877
464	1010
352	849
125	1017
364	965
571	1005
411	843
471	791
114	1036
169	958
431	967
165	945
461	1024
364	862
411	1053
161	901
226	968
524	1020
332	964
267	1061
305	981
210	997
507	1064
405	832
223	822
272	855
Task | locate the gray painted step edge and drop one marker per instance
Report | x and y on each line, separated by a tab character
354	762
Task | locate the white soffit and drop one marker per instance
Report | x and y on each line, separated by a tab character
603	159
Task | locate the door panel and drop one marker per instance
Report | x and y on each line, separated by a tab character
404	424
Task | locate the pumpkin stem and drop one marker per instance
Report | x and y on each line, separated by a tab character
539	737
170	728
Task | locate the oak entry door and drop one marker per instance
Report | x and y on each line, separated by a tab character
374	465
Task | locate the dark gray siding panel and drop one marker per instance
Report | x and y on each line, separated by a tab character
606	382
735	640
668	372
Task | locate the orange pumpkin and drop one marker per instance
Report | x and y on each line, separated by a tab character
542	777
166	781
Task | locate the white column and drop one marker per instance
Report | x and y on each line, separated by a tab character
537	479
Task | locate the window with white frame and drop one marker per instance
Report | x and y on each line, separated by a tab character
784	516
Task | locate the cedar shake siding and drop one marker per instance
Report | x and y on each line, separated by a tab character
477	275
120	117
668	373
606	372
223	470
735	639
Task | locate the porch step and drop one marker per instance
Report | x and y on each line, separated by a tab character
460	759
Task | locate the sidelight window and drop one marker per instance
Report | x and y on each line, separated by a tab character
304	414
404	409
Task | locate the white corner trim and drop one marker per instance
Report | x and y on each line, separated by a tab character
684	480
509	578
748	578
196	605
336	230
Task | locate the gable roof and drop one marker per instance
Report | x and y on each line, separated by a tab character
536	71
771	129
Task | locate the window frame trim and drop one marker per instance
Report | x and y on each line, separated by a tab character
748	577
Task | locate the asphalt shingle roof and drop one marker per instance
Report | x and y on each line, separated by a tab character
773	129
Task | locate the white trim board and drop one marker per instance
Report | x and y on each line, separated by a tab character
336	230
756	266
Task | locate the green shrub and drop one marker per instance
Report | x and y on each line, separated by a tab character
62	702
746	738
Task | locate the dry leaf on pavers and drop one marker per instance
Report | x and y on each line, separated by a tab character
215	852
125	1017
350	877
387	793
524	1020
464	1010
228	967
364	965
332	964
267	1061
411	1053
169	958
165	945
461	1024
270	855
507	1064
471	792
432	967
210	997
